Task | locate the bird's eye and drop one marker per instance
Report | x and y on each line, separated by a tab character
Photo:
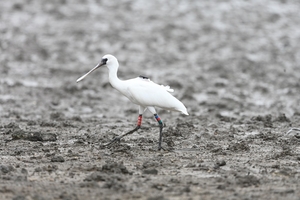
104	60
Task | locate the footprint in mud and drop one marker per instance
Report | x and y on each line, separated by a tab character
33	136
247	181
8	172
113	174
239	146
19	134
114	167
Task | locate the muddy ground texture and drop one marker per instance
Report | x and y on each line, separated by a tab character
234	64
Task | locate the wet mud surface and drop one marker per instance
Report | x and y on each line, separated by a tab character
234	64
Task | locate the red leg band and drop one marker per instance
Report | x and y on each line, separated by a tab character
139	122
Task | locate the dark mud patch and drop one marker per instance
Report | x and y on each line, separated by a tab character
19	134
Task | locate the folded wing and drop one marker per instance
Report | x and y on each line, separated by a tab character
147	93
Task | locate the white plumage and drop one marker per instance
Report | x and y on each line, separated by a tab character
147	93
141	91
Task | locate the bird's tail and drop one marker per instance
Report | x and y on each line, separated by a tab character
184	112
181	108
168	88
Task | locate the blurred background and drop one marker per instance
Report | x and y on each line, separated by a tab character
231	58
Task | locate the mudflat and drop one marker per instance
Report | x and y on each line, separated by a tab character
234	64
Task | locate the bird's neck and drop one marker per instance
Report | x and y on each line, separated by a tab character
114	80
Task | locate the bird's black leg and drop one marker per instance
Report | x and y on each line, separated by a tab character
117	139
161	125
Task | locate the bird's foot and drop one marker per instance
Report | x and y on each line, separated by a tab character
161	148
116	139
293	129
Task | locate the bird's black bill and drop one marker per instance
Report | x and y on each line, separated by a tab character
96	67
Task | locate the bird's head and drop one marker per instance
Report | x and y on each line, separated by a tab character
109	60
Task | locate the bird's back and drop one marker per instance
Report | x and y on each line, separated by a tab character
143	91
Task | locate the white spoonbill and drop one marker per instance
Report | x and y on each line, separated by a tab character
142	92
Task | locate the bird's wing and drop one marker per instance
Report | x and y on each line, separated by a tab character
147	93
144	78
